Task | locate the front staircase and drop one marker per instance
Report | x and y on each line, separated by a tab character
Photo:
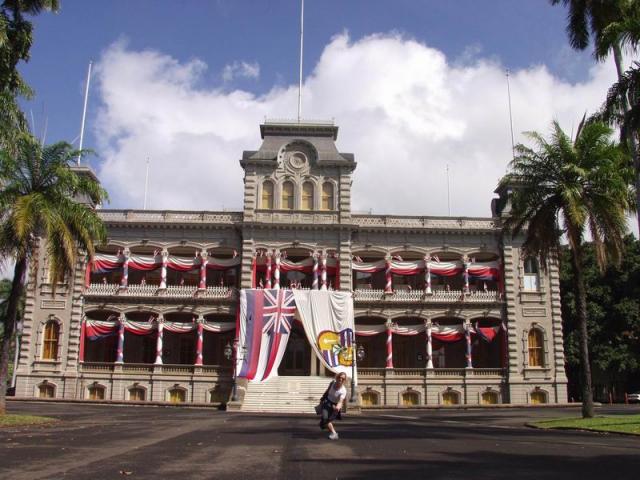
285	394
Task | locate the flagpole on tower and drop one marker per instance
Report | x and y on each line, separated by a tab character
513	147
146	186
84	110
301	50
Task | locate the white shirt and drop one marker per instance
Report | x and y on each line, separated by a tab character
336	395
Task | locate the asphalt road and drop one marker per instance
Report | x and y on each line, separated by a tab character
107	442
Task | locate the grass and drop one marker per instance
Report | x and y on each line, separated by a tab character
23	420
618	424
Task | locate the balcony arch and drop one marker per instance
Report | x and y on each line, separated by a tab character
488	342
448	351
374	344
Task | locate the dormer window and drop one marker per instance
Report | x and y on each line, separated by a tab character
327	196
267	195
287	195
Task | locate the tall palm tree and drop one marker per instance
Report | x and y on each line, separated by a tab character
564	188
603	21
43	197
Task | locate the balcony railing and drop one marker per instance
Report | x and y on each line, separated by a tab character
172	291
450	373
149	368
438	296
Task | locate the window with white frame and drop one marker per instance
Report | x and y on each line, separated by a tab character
531	274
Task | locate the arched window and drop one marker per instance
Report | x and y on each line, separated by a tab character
267	195
307	196
51	340
450	398
46	390
96	392
538	397
137	394
536	351
369	399
327	196
410	399
489	398
177	395
287	196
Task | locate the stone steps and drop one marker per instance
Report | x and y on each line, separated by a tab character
285	394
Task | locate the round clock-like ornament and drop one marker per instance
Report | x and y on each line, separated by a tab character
297	160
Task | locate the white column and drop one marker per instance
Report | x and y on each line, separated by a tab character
314	285
427	274
204	256
124	283
276	273
159	347
323	270
163	270
428	326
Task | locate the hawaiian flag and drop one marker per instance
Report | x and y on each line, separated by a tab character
268	316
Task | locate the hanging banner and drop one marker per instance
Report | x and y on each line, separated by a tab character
266	317
327	317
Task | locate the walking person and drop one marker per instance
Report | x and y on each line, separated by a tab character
332	404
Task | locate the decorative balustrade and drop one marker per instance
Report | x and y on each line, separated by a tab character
172	291
438	296
142	216
149	368
450	373
435	223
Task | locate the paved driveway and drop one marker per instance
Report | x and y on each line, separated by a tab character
107	442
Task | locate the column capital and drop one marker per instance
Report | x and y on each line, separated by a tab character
122	318
126	252
204	254
200	319
160	318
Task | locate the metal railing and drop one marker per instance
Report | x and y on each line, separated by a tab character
438	296
172	291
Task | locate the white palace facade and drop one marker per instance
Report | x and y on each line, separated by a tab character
447	309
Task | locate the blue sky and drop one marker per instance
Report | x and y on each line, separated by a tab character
415	85
519	34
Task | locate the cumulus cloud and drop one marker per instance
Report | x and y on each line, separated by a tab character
240	69
403	108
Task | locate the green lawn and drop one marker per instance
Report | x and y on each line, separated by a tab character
618	424
22	420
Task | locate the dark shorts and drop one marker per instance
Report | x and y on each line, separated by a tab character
328	413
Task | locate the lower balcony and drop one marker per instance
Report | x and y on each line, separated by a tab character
427	373
151	369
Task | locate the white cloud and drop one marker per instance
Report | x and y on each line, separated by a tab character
403	109
240	69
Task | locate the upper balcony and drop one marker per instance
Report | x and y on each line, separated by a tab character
154	291
420	296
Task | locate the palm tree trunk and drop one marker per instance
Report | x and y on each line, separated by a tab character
9	327
631	137
581	310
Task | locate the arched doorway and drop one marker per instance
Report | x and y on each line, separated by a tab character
297	356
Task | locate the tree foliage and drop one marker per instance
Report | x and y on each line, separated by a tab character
40	200
613	301
566	188
16	38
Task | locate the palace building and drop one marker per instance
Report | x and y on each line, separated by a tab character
447	310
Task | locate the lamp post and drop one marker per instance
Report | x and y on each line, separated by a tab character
356	353
229	352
